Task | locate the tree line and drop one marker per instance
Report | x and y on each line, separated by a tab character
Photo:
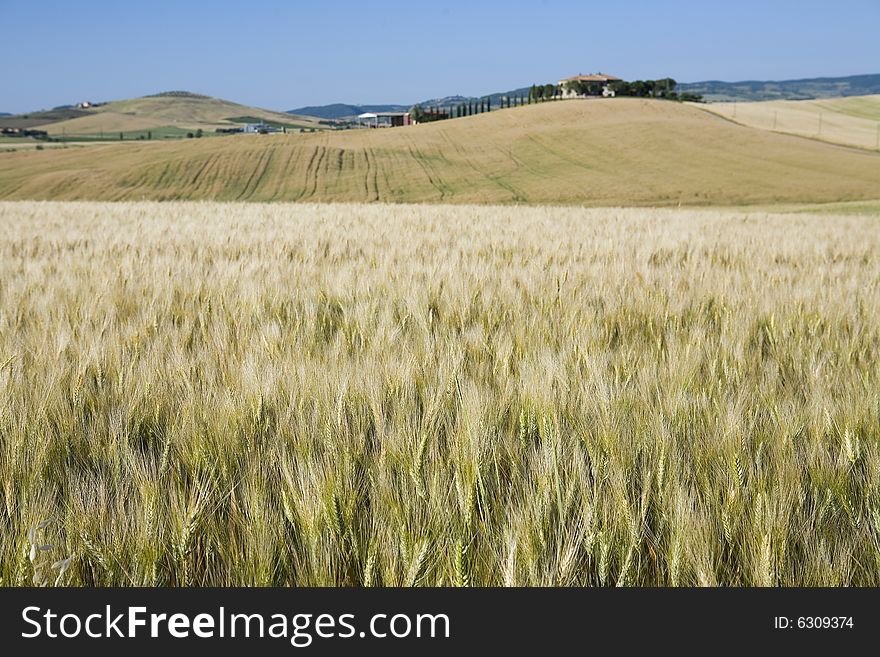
471	107
663	88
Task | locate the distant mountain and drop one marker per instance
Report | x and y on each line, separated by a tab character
805	89
5	114
343	110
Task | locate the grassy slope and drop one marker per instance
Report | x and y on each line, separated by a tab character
851	121
157	111
621	152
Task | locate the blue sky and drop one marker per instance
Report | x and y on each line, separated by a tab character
282	55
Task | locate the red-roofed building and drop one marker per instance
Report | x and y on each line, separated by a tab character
569	85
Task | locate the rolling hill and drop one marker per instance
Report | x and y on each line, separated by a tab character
181	110
854	121
599	153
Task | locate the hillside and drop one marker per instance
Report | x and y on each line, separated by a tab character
804	89
614	152
181	110
854	121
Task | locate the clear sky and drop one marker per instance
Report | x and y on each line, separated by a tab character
282	55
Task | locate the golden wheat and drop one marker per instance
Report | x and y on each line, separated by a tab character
217	394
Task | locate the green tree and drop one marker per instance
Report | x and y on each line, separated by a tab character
667	88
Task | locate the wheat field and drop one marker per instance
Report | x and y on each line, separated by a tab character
852	121
615	152
247	394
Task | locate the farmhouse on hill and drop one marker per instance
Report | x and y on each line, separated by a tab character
580	86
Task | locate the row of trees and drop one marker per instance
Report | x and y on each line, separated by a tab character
541	92
662	88
426	115
420	114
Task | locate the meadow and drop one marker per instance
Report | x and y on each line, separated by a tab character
378	395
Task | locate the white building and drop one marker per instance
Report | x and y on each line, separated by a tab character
593	78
